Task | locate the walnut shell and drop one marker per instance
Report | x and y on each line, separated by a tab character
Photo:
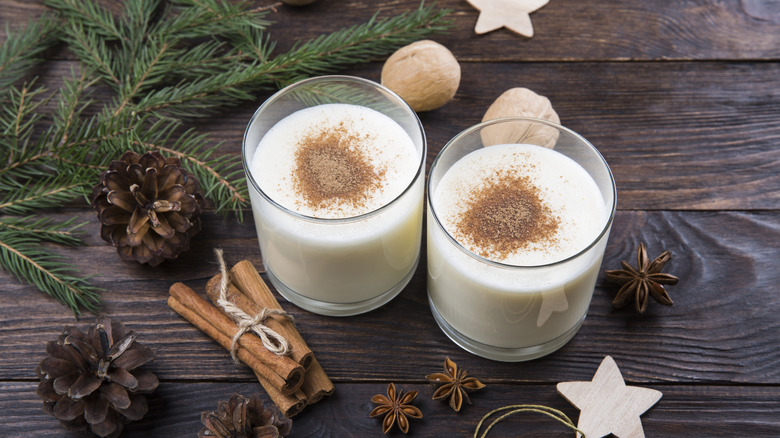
425	74
521	102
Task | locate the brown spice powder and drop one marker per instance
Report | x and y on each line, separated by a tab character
505	216
332	172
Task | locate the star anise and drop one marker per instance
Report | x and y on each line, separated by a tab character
453	383
646	279
396	406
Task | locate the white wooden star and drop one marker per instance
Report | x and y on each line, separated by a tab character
512	14
607	405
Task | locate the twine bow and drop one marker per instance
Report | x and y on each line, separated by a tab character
273	341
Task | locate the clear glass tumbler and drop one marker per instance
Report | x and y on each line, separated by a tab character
509	312
346	265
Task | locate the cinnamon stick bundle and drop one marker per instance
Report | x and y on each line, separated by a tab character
299	351
249	282
281	372
316	383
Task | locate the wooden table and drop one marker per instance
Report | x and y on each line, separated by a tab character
683	100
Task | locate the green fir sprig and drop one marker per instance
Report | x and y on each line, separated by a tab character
163	64
23	255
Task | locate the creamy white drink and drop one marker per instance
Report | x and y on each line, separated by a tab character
520	214
335	161
348	181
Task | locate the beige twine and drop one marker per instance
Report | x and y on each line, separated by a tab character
273	341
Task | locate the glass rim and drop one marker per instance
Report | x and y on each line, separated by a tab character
335	78
558	126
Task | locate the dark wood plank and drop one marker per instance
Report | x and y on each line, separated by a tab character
722	329
713	411
564	30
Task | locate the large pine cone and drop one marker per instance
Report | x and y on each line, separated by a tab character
242	417
149	207
93	380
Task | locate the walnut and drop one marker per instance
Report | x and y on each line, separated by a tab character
521	102
425	74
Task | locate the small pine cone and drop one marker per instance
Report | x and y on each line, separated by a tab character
242	417
148	207
94	380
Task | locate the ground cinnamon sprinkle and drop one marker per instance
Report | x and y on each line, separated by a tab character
507	215
332	172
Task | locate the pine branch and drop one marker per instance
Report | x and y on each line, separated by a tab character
253	42
51	273
94	54
74	100
21	51
37	194
90	14
322	55
43	229
38	174
39	159
17	120
139	17
357	44
147	71
206	18
204	59
197	98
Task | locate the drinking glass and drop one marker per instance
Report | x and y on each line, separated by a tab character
341	266
508	312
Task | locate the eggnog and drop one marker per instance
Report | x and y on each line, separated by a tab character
338	205
335	161
505	190
516	234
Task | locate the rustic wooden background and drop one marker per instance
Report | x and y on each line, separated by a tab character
683	100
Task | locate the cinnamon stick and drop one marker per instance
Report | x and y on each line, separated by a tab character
316	384
281	371
299	351
290	405
249	282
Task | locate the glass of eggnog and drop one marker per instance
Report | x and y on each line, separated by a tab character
335	167
519	212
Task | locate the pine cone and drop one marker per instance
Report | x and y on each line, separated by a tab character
93	380
149	207
242	417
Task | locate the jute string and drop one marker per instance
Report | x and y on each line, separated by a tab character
514	409
273	341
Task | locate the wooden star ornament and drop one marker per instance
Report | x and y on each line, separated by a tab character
607	405
512	14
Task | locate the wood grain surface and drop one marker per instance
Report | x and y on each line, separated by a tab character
682	99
